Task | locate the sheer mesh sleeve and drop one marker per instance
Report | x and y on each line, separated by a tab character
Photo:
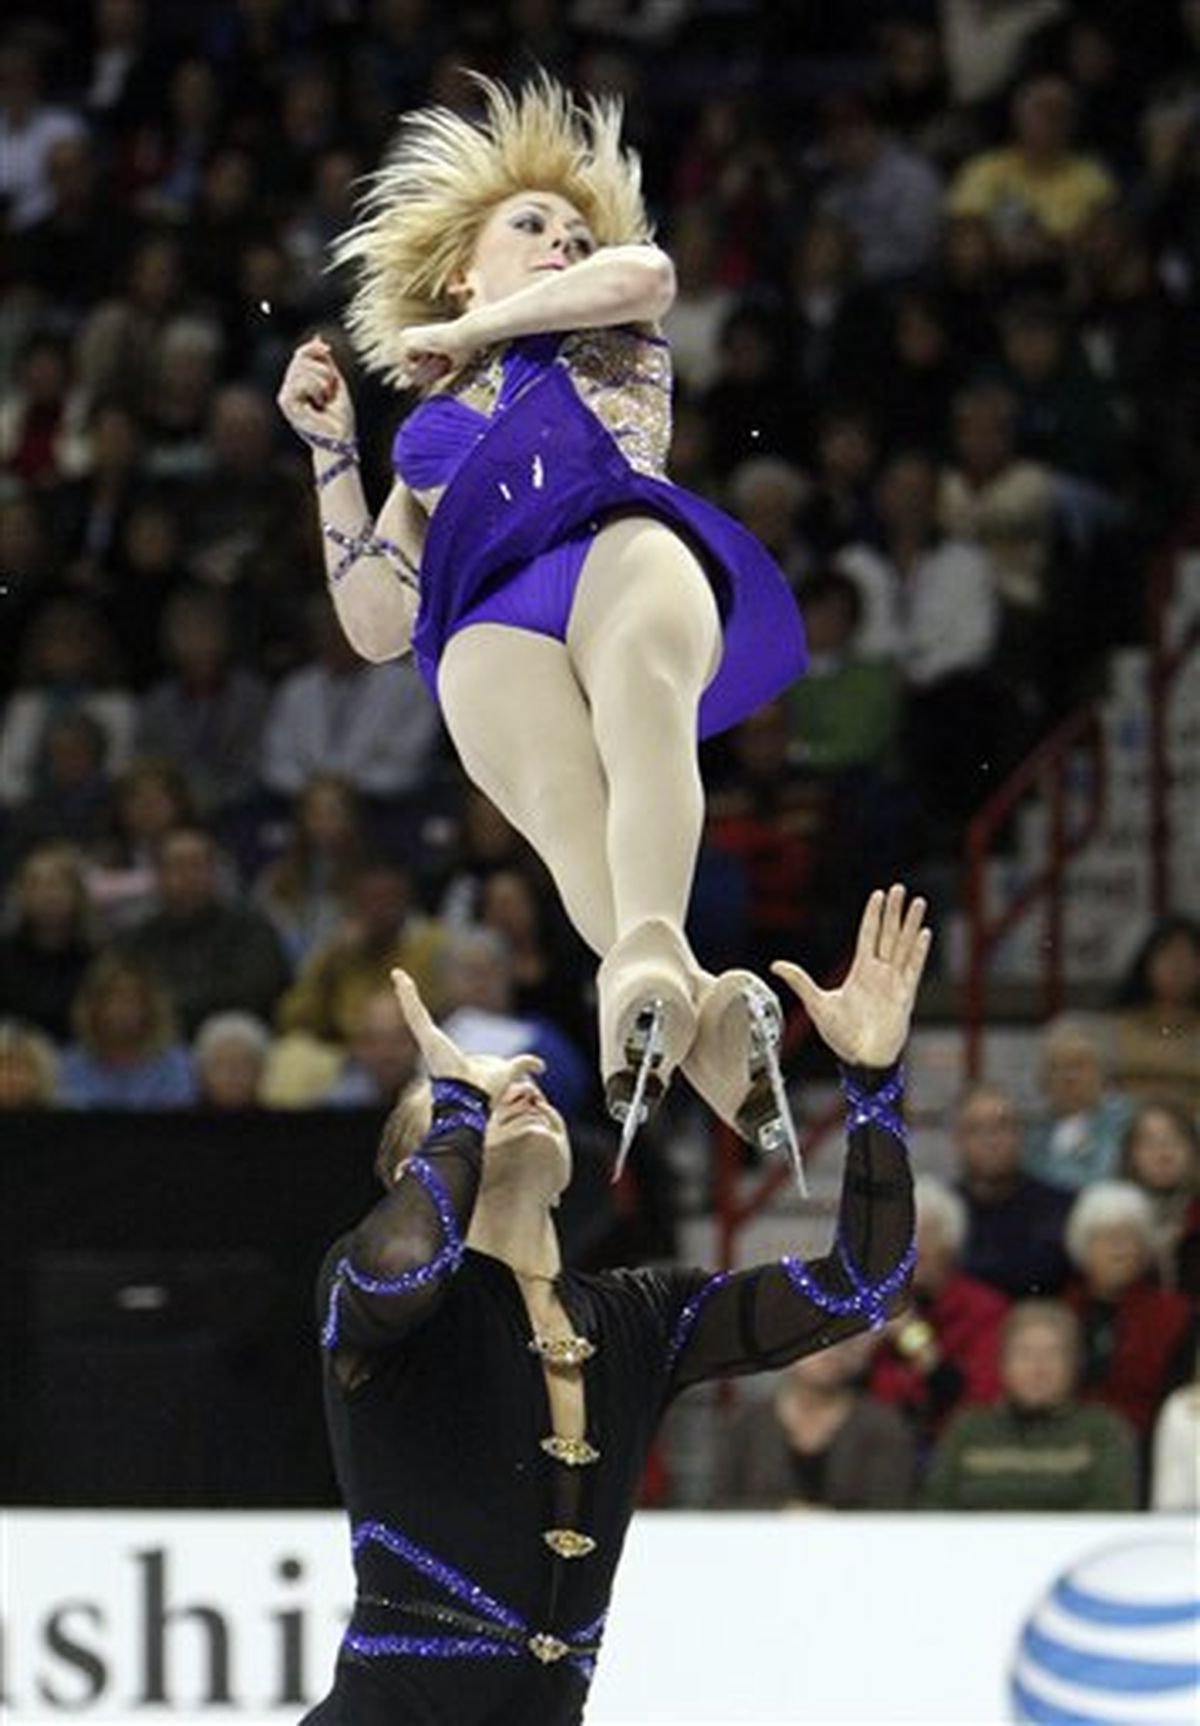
748	1321
386	1277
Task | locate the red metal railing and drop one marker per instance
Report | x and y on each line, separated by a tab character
1046	769
1166	664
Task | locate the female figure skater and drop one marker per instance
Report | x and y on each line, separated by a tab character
490	1412
580	619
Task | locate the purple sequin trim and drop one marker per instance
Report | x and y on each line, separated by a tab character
344	448
452	1119
366	543
445	1575
352	546
431	1647
592	1632
334	445
461	1588
402	565
463	1106
686	1321
875	1108
446	1259
886	1285
430	1179
869	1299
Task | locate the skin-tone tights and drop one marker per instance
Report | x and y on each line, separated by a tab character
588	747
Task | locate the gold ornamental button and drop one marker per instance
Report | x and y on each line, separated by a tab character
547	1648
575	1452
562	1350
568	1542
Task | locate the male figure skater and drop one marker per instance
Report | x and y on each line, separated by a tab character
490	1411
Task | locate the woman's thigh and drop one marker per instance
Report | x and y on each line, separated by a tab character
515	709
643	593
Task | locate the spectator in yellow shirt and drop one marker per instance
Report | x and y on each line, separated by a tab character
383	930
1036	191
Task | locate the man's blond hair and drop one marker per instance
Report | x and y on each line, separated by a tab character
404	1129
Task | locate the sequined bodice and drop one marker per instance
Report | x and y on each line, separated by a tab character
623	375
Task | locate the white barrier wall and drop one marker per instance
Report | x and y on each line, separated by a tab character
146	1619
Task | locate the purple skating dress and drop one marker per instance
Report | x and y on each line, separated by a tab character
537	445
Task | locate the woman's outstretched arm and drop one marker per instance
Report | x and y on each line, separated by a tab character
371	567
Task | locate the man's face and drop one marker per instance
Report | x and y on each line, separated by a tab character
525	1136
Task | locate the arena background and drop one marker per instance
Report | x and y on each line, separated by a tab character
904	379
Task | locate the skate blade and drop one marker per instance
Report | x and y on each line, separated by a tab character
644	1049
766	1117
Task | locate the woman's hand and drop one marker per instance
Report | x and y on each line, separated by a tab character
865	1020
313	396
426	353
445	1060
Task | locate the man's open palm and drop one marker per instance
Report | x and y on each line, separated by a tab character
865	1020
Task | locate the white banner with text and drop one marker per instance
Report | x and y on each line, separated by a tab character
146	1619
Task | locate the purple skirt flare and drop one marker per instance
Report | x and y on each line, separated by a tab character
541	472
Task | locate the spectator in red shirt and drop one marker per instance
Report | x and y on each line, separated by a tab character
1139	1338
944	1353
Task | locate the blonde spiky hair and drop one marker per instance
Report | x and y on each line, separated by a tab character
422	210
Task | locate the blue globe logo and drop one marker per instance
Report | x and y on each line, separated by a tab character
1115	1641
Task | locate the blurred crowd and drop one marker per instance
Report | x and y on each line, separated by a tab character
1048	1360
935	343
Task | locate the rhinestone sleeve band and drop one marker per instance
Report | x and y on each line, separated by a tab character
344	449
875	1108
367	543
868	1299
457	1104
446	1260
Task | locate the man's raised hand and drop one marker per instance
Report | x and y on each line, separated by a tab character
865	1019
442	1056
